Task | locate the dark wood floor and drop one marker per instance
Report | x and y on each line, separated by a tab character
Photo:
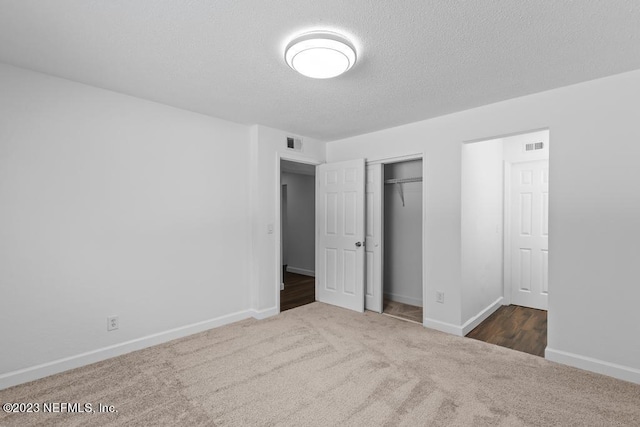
298	290
519	328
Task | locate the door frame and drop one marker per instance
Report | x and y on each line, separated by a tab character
296	158
400	159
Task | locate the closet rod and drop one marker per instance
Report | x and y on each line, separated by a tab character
403	180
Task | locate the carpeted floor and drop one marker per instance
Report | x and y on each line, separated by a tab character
322	365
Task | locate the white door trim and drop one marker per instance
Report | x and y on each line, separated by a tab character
292	157
395	159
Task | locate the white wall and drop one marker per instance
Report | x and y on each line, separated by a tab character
300	223
482	227
513	147
267	145
112	205
594	211
403	234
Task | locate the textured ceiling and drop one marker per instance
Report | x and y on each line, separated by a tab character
417	59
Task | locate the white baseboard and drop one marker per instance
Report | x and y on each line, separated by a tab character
302	271
21	376
403	299
470	324
448	328
263	314
621	372
463	330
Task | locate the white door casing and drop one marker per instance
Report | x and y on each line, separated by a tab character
373	238
529	230
340	229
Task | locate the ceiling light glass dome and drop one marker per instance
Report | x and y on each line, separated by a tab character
320	54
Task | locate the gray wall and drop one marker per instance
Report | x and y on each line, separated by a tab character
111	206
299	228
403	235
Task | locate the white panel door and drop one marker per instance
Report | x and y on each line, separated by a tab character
373	238
529	218
340	231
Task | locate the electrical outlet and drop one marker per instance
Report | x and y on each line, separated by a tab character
113	323
440	297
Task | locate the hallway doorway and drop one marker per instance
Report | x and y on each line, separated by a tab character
505	234
297	239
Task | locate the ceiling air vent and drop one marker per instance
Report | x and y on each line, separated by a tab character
534	146
294	143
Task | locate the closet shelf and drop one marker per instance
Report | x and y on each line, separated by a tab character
403	180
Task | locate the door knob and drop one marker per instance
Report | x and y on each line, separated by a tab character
358	244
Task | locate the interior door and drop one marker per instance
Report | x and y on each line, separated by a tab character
530	233
373	238
340	231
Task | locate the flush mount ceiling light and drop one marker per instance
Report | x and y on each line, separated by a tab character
320	54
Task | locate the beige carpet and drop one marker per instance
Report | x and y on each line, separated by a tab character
322	365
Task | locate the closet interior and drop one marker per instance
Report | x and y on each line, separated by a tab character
402	260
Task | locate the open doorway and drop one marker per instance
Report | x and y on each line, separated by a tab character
402	244
297	215
505	207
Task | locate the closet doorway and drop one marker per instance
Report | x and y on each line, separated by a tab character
394	239
297	234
